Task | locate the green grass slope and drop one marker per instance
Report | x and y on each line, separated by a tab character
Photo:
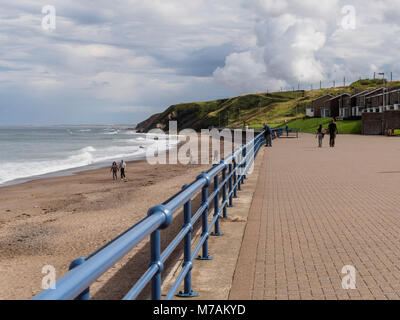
311	125
225	112
254	109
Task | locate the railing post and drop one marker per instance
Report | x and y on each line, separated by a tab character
230	186
239	176
225	215
163	219
155	259
204	199
85	295
235	169
244	164
216	232
188	292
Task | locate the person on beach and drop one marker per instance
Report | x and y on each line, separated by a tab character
267	135
320	135
333	131
114	169
122	167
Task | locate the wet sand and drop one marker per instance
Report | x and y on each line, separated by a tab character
56	220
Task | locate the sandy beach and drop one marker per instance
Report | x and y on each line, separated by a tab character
56	220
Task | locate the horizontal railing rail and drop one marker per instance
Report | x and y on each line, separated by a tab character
84	271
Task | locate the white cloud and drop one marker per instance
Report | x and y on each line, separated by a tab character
315	8
303	41
159	52
244	70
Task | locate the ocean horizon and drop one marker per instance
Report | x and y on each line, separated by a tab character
33	152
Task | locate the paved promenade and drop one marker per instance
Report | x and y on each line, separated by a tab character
315	211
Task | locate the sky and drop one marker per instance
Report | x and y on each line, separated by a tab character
118	62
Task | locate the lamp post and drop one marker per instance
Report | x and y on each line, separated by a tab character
297	118
383	94
297	121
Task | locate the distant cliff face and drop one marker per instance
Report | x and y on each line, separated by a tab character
188	115
148	124
202	115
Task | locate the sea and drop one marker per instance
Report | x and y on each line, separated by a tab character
28	153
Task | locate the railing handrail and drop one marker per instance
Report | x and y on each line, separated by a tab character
76	281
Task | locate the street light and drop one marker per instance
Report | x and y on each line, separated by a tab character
383	94
297	122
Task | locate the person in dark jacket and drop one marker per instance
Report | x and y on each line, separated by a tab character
268	135
333	131
287	128
114	169
320	135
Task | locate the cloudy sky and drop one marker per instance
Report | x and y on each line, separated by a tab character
120	61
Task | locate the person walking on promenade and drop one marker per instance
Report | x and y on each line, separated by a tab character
114	169
268	135
333	131
320	135
287	130
122	166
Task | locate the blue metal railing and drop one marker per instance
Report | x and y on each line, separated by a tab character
84	271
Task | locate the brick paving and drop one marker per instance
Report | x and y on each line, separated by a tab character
317	210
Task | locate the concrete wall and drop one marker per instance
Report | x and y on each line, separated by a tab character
378	123
372	123
391	119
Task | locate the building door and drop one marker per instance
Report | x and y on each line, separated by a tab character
325	113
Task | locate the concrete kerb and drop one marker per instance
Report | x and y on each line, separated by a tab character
213	279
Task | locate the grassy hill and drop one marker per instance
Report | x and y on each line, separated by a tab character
311	125
254	109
